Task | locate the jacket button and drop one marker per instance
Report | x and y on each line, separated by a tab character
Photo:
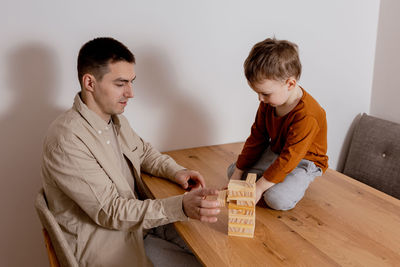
99	131
383	155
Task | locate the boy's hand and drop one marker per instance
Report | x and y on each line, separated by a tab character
237	174
189	179
197	207
259	193
262	185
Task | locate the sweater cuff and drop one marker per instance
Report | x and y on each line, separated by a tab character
174	208
241	163
274	176
240	167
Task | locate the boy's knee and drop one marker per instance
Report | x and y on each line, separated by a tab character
278	201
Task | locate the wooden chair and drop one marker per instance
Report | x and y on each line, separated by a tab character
374	154
57	247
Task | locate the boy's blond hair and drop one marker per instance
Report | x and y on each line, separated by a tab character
273	60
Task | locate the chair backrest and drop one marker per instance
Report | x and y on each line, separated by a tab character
374	154
64	254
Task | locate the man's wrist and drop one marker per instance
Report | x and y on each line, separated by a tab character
183	205
173	179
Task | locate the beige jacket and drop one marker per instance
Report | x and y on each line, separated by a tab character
90	198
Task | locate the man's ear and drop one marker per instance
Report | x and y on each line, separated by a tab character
291	83
89	82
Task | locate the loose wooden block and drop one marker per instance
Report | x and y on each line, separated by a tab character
222	198
251	178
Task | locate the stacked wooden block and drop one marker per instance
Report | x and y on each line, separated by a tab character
242	211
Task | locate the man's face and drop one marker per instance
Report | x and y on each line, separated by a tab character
272	92
112	92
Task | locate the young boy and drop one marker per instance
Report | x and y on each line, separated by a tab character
288	141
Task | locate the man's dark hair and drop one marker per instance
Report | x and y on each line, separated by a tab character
96	54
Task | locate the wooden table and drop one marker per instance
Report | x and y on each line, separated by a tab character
339	222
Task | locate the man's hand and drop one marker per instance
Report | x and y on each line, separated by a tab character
197	207
189	179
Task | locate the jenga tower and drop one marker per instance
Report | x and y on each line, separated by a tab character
242	211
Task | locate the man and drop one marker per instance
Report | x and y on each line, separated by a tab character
92	162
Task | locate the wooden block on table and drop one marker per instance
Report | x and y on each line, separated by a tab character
241	198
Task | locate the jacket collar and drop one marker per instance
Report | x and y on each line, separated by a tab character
92	118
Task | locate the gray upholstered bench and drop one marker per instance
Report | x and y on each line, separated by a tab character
374	154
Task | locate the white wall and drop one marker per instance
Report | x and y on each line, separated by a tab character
190	89
386	88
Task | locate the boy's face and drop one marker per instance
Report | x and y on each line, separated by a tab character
272	92
112	92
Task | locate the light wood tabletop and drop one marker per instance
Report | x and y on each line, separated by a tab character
339	222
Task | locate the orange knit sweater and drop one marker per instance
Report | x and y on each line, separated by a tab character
300	134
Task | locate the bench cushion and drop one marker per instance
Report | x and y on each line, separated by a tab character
374	154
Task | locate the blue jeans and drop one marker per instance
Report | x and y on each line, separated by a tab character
284	195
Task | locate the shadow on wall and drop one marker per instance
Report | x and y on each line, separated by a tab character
32	75
184	123
346	144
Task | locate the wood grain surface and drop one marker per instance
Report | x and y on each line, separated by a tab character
339	222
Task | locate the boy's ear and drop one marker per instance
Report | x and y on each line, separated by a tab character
89	82
291	83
